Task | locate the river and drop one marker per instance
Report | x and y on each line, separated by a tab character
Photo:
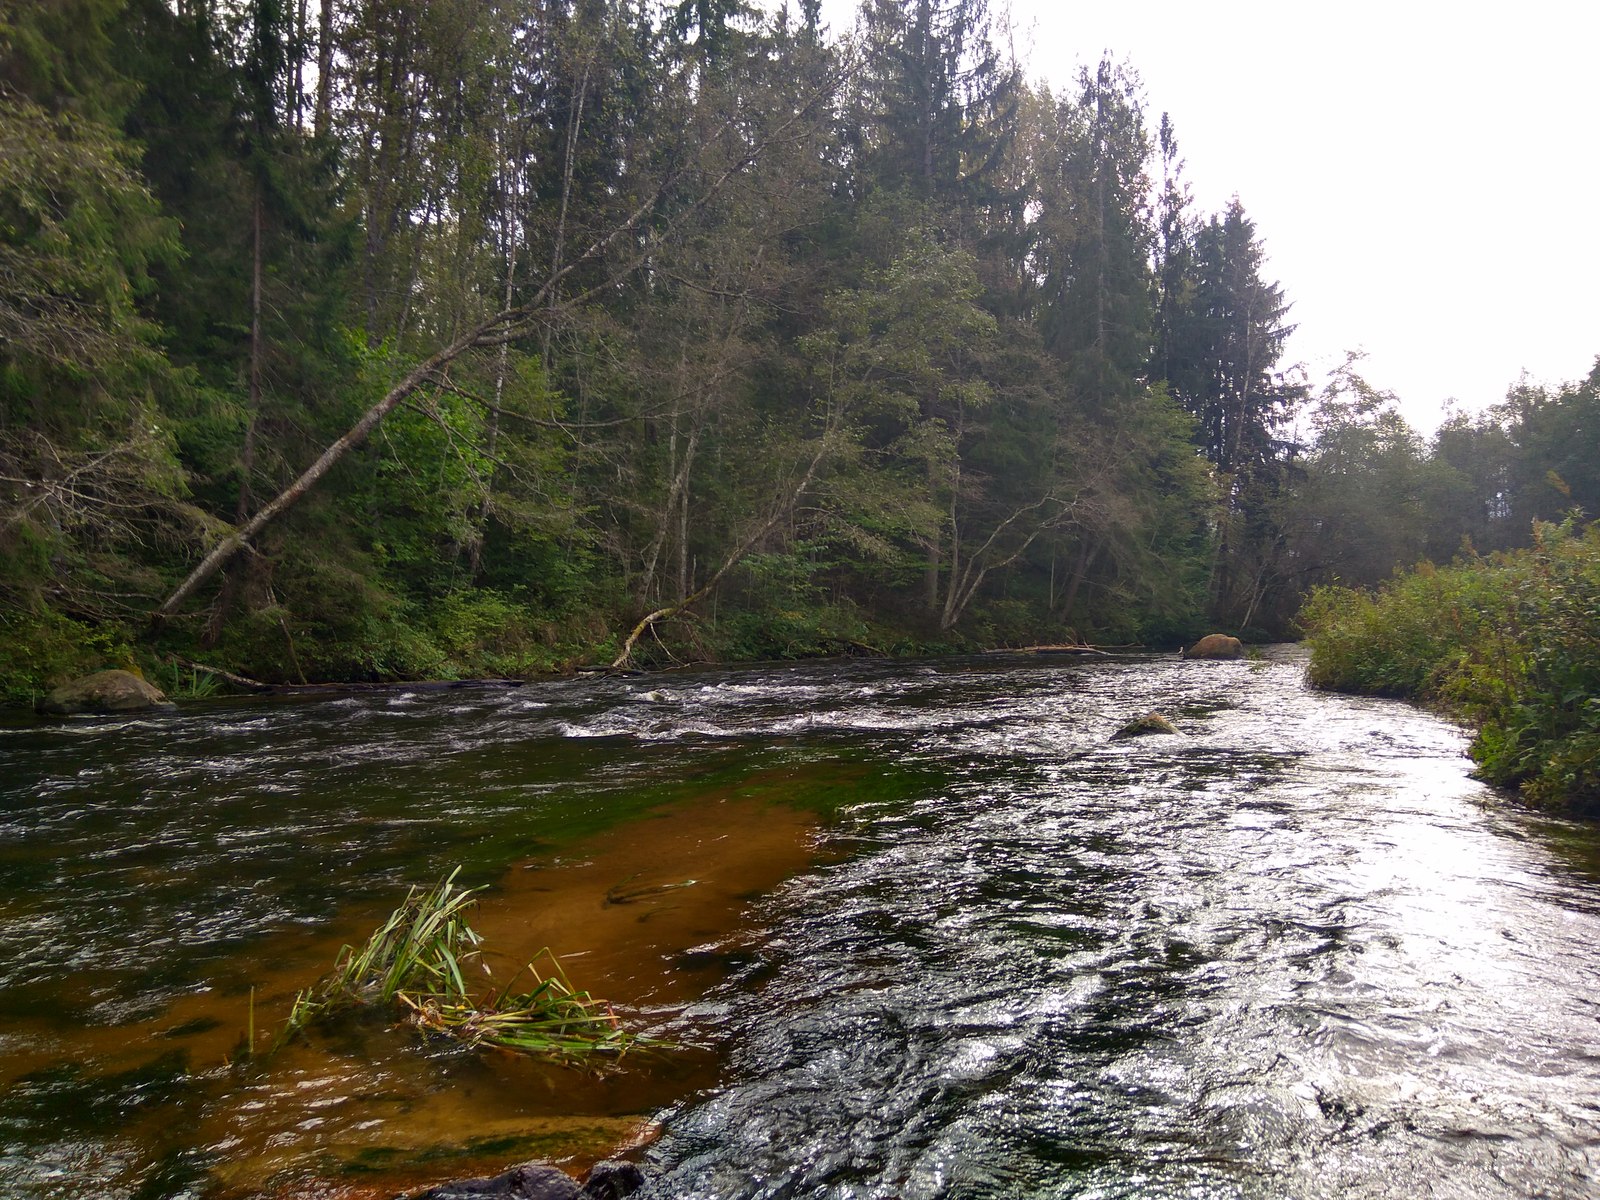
914	929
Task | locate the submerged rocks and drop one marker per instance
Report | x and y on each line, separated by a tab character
103	692
1151	722
540	1181
1216	645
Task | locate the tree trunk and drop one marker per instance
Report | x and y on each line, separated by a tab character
495	331
580	94
683	536
511	190
964	582
1087	553
676	501
324	110
247	455
297	102
355	436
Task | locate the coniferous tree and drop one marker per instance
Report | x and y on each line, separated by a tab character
1173	254
1223	366
1094	238
88	477
936	107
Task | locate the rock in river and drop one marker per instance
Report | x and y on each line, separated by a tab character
1151	722
540	1181
103	692
1216	645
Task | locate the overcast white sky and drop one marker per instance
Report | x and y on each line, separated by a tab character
1425	176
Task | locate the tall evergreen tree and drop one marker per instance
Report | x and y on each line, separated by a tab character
1223	366
1226	346
87	472
936	108
1094	237
1173	254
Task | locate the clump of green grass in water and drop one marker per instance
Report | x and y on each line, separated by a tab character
195	684
418	961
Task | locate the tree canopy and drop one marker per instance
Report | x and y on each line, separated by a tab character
425	337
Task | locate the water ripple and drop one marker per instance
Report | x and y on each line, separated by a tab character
1296	951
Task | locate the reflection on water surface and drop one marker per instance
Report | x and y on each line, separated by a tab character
923	930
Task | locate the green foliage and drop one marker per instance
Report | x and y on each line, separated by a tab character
1402	640
1362	505
321	612
60	53
935	353
779	633
936	106
78	234
486	633
1510	643
40	648
89	480
188	683
1095	259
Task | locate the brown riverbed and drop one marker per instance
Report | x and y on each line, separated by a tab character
645	915
1295	951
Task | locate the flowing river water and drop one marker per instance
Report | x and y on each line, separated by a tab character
916	930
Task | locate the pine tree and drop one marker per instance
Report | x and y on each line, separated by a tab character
87	471
1094	237
936	107
1173	254
1222	364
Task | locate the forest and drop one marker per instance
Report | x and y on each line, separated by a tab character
396	339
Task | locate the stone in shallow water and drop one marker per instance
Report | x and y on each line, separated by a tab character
103	692
1216	645
1151	722
540	1181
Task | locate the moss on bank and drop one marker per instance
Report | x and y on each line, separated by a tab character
1510	644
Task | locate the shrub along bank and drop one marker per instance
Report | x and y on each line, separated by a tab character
1510	644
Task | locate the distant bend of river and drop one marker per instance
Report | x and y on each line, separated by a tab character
922	930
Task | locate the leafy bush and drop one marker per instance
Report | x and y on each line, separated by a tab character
1511	644
487	633
1396	642
791	633
41	648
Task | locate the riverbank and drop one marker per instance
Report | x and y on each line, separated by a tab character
1508	644
487	641
467	638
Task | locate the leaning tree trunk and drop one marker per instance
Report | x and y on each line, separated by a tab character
355	436
509	323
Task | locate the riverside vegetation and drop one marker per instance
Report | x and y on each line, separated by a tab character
357	341
1510	643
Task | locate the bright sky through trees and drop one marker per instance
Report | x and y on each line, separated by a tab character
1423	175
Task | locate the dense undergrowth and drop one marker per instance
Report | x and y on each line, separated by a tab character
1509	643
478	634
322	621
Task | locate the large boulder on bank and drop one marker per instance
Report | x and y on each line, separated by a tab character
103	692
540	1181
1216	645
1151	722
